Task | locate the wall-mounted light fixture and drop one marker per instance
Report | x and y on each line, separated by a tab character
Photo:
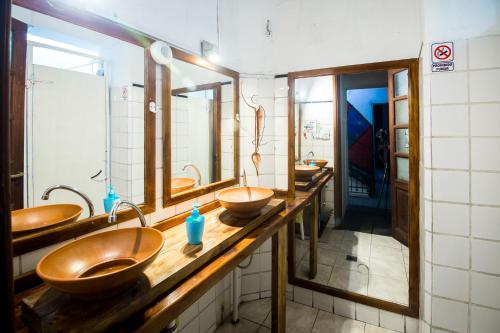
161	53
209	51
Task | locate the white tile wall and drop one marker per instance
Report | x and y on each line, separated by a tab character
461	229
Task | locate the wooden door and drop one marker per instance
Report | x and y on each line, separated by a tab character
399	151
18	84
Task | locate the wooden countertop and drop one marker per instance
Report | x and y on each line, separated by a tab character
165	307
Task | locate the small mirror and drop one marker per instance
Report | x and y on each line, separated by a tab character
78	121
202	128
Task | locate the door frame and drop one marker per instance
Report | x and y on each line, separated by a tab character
412	65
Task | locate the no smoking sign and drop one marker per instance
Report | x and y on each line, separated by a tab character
442	57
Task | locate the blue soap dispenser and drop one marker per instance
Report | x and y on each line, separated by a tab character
194	226
110	199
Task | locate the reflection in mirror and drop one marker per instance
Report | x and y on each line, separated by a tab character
202	141
366	252
314	121
82	117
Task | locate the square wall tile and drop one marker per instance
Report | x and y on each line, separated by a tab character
367	314
485	86
482	154
486	256
302	296
484	320
392	321
451	251
485	290
486	222
322	301
450	120
450	153
411	325
483	52
451	283
450	186
344	308
207	317
250	284
485	119
451	218
449	88
450	315
485	188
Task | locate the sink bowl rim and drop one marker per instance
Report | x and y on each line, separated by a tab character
269	191
44	276
192	181
304	167
318	161
78	209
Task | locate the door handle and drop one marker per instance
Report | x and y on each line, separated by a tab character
17	175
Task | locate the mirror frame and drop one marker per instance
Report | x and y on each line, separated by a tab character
40	239
412	65
168	199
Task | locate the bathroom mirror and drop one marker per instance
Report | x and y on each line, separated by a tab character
201	130
358	237
81	122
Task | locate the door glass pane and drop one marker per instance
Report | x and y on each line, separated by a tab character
402	166
401	83
401	111
402	140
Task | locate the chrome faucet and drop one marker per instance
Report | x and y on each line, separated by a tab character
118	203
46	194
195	169
244	176
310	154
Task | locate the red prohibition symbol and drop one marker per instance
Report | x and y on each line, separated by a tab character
442	52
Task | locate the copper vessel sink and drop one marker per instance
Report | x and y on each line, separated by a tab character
41	217
305	171
245	202
103	264
182	184
320	163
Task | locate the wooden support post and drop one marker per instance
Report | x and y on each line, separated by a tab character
278	302
313	241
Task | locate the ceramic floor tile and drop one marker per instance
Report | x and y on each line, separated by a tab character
327	256
243	326
327	322
388	289
322	275
255	311
375	329
264	329
349	280
385	241
386	253
361	264
299	318
393	269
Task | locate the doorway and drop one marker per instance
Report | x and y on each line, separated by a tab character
366	136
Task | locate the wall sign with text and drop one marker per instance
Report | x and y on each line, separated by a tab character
443	56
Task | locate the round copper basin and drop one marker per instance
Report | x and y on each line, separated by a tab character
182	184
103	264
246	201
320	163
31	219
305	171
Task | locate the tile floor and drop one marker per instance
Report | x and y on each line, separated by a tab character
381	270
255	316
